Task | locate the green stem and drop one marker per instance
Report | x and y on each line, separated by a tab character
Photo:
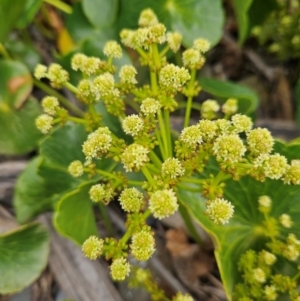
142	53
164	135
71	87
153	79
4	52
160	144
188	188
193	180
147	174
155	55
77	120
164	51
190	99
63	100
153	168
106	174
189	224
108	225
168	131
221	176
155	159
60	5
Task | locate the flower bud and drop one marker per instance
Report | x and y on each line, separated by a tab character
292	175
76	169
131	200
259	275
88	65
270	293
50	104
260	141
219	211
230	107
133	125
134	157
157	33
92	248
101	193
127	75
209	109
174	40
147	18
172	168
163	203
192	59
242	123
202	45
40	71
142	246
191	135
119	269
285	220
104	85
57	75
208	129
44	123
112	49
150	106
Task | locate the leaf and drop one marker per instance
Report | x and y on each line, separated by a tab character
101	13
10	11
248	100
23	52
259	11
31	8
32	194
245	229
23	256
192	18
241	10
74	217
18	134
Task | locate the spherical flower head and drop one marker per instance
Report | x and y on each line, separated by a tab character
223	126
92	248
191	135
134	157
150	106
119	269
192	58
209	109
44	123
270	292
147	18
292	175
127	37
101	193
285	221
265	201
182	297
163	203
57	75
230	107
140	38
50	104
157	33
229	148
275	166
259	275
142	275
112	49
76	169
260	141
86	92
127	74
40	71
202	45
133	125
242	123
208	129
220	211
172	168
142	245
172	78
104	85
85	64
97	143
269	258
174	40
131	200
291	252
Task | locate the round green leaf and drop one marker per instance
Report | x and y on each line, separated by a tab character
74	217
23	256
10	11
245	229
192	18
101	13
18	133
248	100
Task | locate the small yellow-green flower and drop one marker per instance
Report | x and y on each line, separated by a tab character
285	220
44	123
150	106
40	71
134	157
133	125
230	107
142	245
127	74
191	135
147	18
182	297
119	269
101	193
259	275
50	104
202	45
57	75
76	169
174	40
112	49
209	109
241	123
172	168
219	211
131	200
260	141
92	248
